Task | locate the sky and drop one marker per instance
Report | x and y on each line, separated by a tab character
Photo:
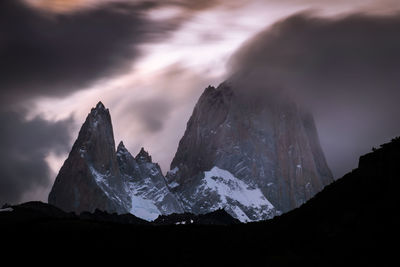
149	61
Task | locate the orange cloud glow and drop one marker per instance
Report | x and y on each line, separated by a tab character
60	6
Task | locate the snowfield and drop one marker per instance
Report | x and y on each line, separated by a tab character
144	208
235	195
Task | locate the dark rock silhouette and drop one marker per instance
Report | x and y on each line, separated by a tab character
218	217
143	156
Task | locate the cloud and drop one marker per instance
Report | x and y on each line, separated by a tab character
152	113
52	54
345	69
154	109
24	147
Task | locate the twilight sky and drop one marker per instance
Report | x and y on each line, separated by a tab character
149	61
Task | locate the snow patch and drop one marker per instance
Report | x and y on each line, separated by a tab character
240	214
173	184
101	179
174	171
233	191
144	208
103	183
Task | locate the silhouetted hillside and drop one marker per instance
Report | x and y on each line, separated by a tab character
218	217
354	220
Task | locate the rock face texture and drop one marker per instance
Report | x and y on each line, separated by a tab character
95	176
253	158
90	177
146	185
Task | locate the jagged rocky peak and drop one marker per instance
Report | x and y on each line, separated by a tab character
121	148
96	176
90	177
98	137
143	156
100	105
100	112
237	145
127	163
146	185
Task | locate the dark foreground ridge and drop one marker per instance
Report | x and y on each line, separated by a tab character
218	217
354	220
36	212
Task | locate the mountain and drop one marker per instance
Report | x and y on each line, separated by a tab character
353	221
254	158
90	177
36	211
146	185
95	176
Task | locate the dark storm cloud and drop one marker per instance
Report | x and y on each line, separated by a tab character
345	69
24	146
45	54
54	54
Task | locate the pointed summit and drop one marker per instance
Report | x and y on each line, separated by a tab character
100	111
100	105
121	146
143	156
123	154
90	177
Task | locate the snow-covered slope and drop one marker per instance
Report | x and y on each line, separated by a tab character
219	189
236	195
146	185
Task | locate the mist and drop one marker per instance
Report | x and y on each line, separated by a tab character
343	69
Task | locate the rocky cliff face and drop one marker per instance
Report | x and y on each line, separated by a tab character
95	176
146	185
90	177
254	158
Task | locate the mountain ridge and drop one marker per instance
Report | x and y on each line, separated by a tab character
97	176
354	220
255	159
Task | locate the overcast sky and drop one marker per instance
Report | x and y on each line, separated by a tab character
149	61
